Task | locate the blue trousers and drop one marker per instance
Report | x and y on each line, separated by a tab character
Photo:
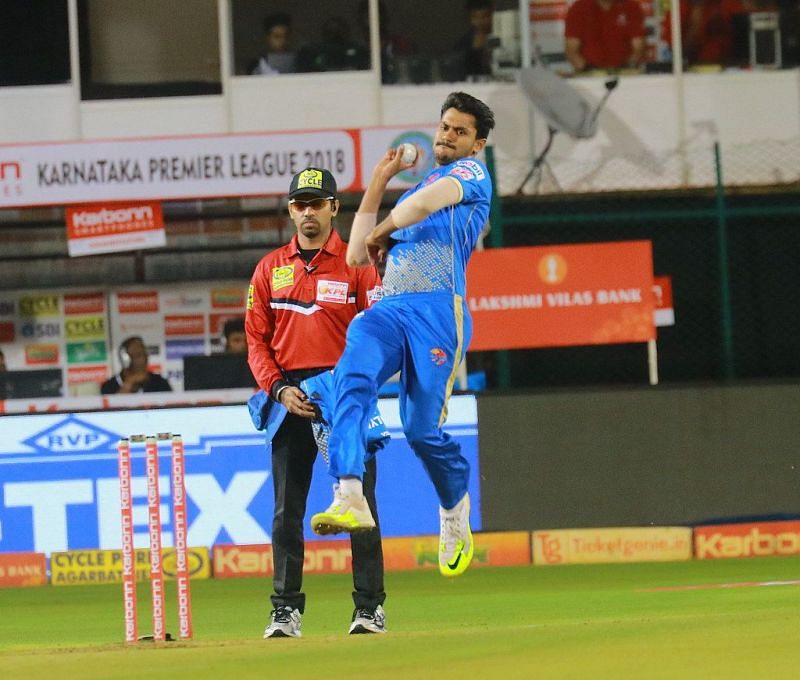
424	336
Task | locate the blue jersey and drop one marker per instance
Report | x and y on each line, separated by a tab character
432	255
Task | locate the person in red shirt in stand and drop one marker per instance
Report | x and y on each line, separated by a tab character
301	300
707	29
604	34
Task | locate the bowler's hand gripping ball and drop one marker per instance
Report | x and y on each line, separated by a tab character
409	153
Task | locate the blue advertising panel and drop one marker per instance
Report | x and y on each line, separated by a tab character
59	487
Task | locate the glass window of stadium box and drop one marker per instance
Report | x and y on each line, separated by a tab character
34	43
148	48
279	37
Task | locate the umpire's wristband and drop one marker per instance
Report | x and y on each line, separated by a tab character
277	387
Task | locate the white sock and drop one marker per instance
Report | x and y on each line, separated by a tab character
351	486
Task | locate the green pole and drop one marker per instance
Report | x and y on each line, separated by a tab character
502	361
724	274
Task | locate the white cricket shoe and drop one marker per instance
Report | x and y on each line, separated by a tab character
348	513
455	539
368	621
285	623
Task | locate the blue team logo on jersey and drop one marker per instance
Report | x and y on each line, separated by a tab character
424	165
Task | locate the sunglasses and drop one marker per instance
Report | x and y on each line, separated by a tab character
314	204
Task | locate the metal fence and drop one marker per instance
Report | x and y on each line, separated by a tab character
732	255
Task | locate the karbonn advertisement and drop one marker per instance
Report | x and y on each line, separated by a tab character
60	491
561	295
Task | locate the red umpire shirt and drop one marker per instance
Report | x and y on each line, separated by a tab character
290	303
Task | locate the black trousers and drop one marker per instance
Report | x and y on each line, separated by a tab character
293	453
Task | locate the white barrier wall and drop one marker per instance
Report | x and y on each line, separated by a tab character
754	115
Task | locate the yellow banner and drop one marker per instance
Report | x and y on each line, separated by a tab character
90	567
595	546
85	328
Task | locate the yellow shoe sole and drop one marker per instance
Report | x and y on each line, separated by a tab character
326	523
462	561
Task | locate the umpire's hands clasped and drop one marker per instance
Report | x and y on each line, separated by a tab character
296	402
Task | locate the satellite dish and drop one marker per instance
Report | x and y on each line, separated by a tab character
564	109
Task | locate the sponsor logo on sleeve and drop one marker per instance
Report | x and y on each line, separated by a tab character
473	166
282	277
332	291
251	296
374	294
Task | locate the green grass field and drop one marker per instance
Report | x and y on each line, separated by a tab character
522	622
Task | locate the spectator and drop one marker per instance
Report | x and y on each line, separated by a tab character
393	46
474	47
134	376
234	336
335	52
604	34
715	31
277	56
2	361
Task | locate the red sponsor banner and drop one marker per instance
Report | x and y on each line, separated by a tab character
87	374
98	228
22	569
88	303
139	302
36	355
547	10
399	554
561	295
7	333
184	324
664	314
321	557
753	539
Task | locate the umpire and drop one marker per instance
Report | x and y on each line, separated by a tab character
301	299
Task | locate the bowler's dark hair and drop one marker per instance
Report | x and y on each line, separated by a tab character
466	103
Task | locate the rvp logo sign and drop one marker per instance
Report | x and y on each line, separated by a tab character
71	435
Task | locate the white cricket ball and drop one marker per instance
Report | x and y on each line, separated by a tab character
409	154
